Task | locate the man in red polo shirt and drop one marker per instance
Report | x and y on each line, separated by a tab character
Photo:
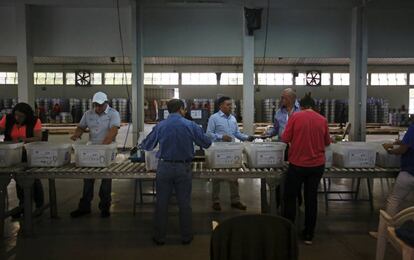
308	134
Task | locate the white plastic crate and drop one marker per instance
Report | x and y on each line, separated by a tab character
265	155
386	160
44	154
151	161
328	157
10	154
95	155
354	155
224	155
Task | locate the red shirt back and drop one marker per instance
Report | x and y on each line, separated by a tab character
308	135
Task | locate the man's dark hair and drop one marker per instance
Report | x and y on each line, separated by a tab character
222	99
307	101
174	105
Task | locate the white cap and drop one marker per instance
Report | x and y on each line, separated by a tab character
99	98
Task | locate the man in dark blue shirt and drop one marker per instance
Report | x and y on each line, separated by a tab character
404	184
176	137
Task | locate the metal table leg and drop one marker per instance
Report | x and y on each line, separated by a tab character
134	209
326	195
370	197
52	198
263	196
272	202
357	188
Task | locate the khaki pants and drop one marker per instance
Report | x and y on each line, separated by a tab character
234	190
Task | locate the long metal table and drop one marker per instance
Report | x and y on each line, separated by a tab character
128	170
369	174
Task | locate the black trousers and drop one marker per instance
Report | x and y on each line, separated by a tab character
37	193
309	177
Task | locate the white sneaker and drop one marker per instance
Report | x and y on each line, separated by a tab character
308	242
373	234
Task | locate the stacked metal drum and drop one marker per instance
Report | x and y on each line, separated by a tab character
269	108
121	105
6	105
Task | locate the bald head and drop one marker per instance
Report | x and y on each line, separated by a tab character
289	91
288	97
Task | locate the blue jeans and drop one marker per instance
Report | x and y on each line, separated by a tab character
104	194
175	176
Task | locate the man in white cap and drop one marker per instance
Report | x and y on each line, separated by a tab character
103	123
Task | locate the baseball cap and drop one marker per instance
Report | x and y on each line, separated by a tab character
99	98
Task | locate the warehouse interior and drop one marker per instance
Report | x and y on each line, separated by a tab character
142	53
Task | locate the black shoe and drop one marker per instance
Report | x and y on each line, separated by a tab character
158	242
239	206
216	206
17	215
187	242
105	214
38	212
79	213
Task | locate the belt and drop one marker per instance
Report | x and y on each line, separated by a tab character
176	161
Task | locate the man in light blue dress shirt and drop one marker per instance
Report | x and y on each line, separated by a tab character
289	105
222	127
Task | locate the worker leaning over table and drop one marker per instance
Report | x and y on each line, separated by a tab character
23	126
404	184
103	123
222	127
176	137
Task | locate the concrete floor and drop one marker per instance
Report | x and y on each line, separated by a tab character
341	234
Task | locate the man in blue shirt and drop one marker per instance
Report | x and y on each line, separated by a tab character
176	137
222	127
404	184
289	105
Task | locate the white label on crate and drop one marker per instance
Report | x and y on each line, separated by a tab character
166	114
92	157
44	157
226	158
264	158
360	158
196	114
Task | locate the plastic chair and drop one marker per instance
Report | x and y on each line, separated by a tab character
406	250
386	232
252	237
